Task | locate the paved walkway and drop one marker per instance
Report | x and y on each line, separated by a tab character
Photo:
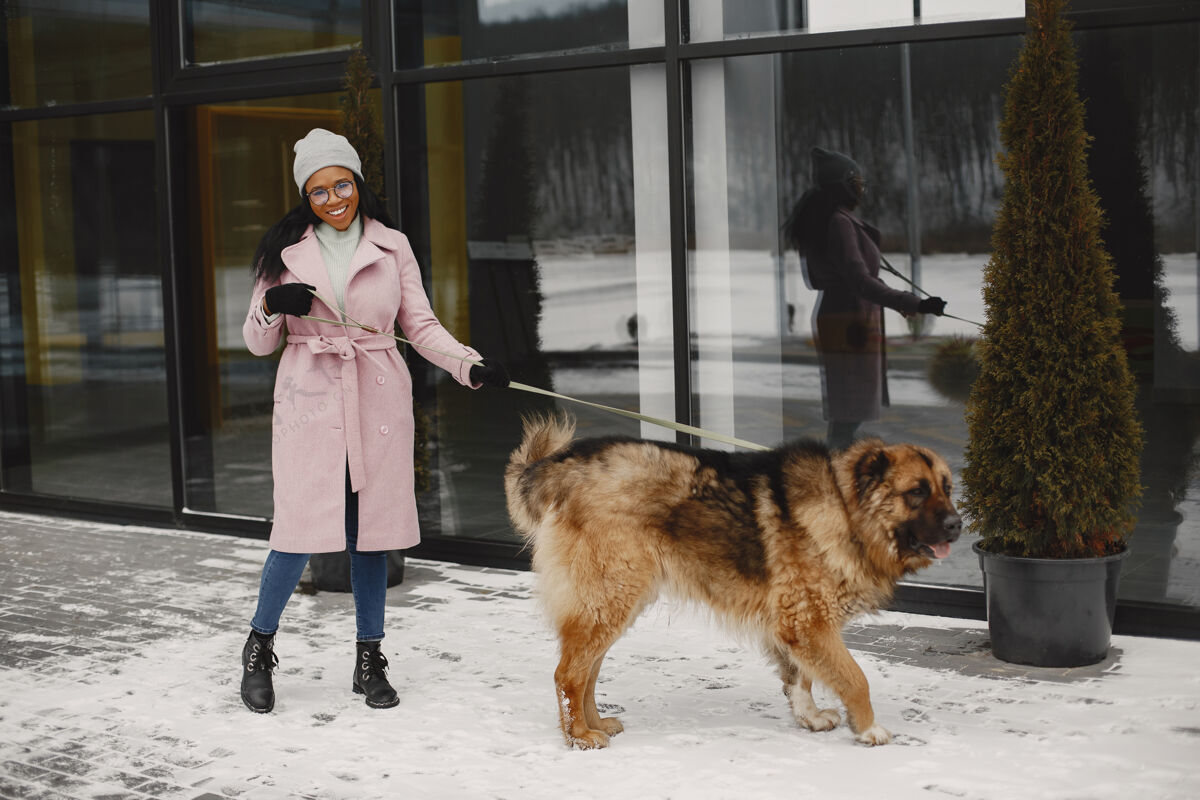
118	670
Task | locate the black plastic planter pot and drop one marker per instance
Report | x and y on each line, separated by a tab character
1049	612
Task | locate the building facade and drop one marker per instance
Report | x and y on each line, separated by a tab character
596	192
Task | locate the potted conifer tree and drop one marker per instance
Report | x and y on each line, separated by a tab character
1051	480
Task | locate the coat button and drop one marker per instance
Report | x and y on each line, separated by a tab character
381	380
383	429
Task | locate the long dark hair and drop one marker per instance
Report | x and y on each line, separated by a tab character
267	264
807	227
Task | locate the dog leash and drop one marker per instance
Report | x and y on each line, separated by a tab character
350	322
889	268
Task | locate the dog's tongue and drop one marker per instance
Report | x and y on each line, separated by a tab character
940	550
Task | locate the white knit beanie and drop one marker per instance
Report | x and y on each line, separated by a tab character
321	149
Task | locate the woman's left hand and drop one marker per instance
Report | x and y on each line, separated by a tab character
489	372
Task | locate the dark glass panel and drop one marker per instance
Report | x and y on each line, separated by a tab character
84	367
539	216
432	32
241	183
1142	92
74	51
226	30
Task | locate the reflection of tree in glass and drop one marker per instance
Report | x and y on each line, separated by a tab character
1170	104
1111	78
506	297
359	122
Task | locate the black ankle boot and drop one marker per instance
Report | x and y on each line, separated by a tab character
258	659
370	679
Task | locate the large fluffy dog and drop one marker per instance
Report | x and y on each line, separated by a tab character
786	545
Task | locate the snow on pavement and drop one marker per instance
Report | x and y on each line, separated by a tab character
473	661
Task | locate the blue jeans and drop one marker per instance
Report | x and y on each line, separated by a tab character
368	580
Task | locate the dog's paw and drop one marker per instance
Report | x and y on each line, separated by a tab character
874	735
612	726
806	713
588	740
820	719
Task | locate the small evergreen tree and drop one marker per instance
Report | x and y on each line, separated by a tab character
1053	435
359	122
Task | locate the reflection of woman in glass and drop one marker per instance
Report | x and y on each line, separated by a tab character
841	258
342	441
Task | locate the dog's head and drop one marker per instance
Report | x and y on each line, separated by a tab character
909	487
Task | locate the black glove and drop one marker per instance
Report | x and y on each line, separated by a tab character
288	298
932	305
489	372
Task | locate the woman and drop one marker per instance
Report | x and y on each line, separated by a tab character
342	441
841	257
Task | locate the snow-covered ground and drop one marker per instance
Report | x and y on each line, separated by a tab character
473	662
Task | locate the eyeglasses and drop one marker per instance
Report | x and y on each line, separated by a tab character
319	197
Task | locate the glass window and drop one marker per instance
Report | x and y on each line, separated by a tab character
1142	94
775	357
241	184
839	15
84	378
710	20
431	32
541	217
921	121
74	51
226	30
957	10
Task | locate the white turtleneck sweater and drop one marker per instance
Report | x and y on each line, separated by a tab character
337	248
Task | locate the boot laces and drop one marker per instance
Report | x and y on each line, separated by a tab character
262	659
373	664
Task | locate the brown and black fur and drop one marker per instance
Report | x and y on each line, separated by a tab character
786	545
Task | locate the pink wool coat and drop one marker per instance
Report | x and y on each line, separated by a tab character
344	396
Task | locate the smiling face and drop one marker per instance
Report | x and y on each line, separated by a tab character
337	211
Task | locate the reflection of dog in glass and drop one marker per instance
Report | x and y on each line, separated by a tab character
786	545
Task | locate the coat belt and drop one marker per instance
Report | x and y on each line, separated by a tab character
348	350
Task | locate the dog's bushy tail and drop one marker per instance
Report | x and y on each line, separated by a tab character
544	436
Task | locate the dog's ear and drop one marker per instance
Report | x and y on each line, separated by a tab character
870	469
